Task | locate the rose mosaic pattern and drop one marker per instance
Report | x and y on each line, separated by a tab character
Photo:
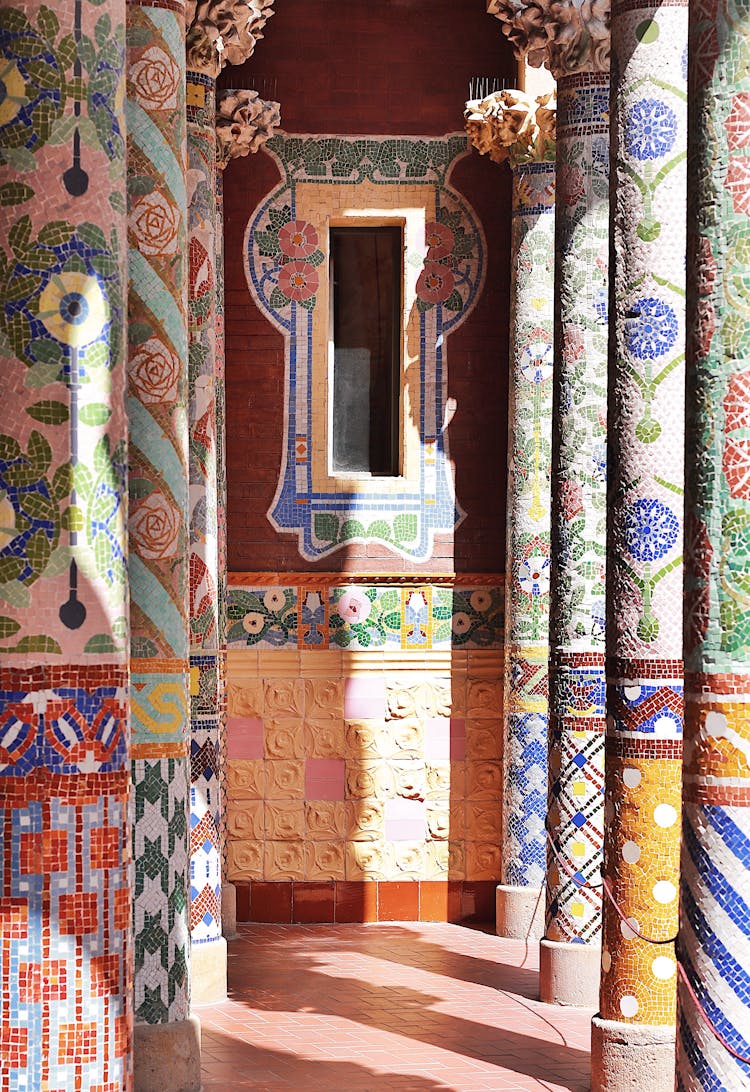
284	257
158	520
527	563
645	693
713	894
365	617
578	548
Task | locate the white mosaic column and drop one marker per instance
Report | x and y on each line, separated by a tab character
519	130
574	43
635	1025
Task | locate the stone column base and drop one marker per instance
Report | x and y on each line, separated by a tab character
519	912
208	971
631	1057
229	911
167	1057
569	973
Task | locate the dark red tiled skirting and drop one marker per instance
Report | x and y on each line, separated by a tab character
339	901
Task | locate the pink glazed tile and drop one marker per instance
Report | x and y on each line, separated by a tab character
244	737
404	820
325	779
445	739
364	698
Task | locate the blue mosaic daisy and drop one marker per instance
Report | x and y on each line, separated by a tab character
651	129
651	529
653	329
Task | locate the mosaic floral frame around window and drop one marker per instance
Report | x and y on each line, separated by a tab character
338	180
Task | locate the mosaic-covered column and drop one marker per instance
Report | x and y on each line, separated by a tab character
574	43
214	38
714	931
244	122
511	126
167	1039
66	1009
635	1025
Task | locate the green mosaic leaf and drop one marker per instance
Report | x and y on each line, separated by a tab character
104	264
138	332
38	642
58	563
21	159
279	217
11	568
84	482
267	243
342	638
56	233
136	37
96	413
278	300
13	20
61	130
316	258
390	599
15	594
8	627
19	236
116	200
97	355
72	518
49	353
326	527
441	613
48	412
352	528
62	481
87	53
140	488
309	305
405	528
44	75
423	305
9	448
380	529
393	620
92	235
38	550
20	288
14	193
39	451
101	642
454	301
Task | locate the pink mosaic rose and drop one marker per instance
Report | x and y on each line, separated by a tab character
155	79
435	282
298	280
299	239
354	606
154	372
154	223
155	527
571	499
439	239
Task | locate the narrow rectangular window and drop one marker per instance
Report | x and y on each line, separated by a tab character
366	275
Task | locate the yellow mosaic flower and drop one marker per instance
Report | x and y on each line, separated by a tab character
12	96
74	309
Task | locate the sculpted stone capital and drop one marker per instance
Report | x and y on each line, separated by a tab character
244	122
222	32
568	37
508	125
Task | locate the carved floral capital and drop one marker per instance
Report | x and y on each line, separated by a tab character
508	125
222	32
244	122
568	37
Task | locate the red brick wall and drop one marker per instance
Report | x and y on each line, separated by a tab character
347	67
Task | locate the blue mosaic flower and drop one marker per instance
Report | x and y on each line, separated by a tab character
653	329
651	529
651	129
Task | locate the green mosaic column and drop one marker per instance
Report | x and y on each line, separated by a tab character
167	1044
512	127
66	1007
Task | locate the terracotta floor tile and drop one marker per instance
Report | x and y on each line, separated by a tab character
416	1006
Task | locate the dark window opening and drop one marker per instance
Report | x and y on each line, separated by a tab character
366	274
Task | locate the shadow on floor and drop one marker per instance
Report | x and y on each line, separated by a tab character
347	974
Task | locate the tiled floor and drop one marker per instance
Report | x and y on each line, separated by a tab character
399	1006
